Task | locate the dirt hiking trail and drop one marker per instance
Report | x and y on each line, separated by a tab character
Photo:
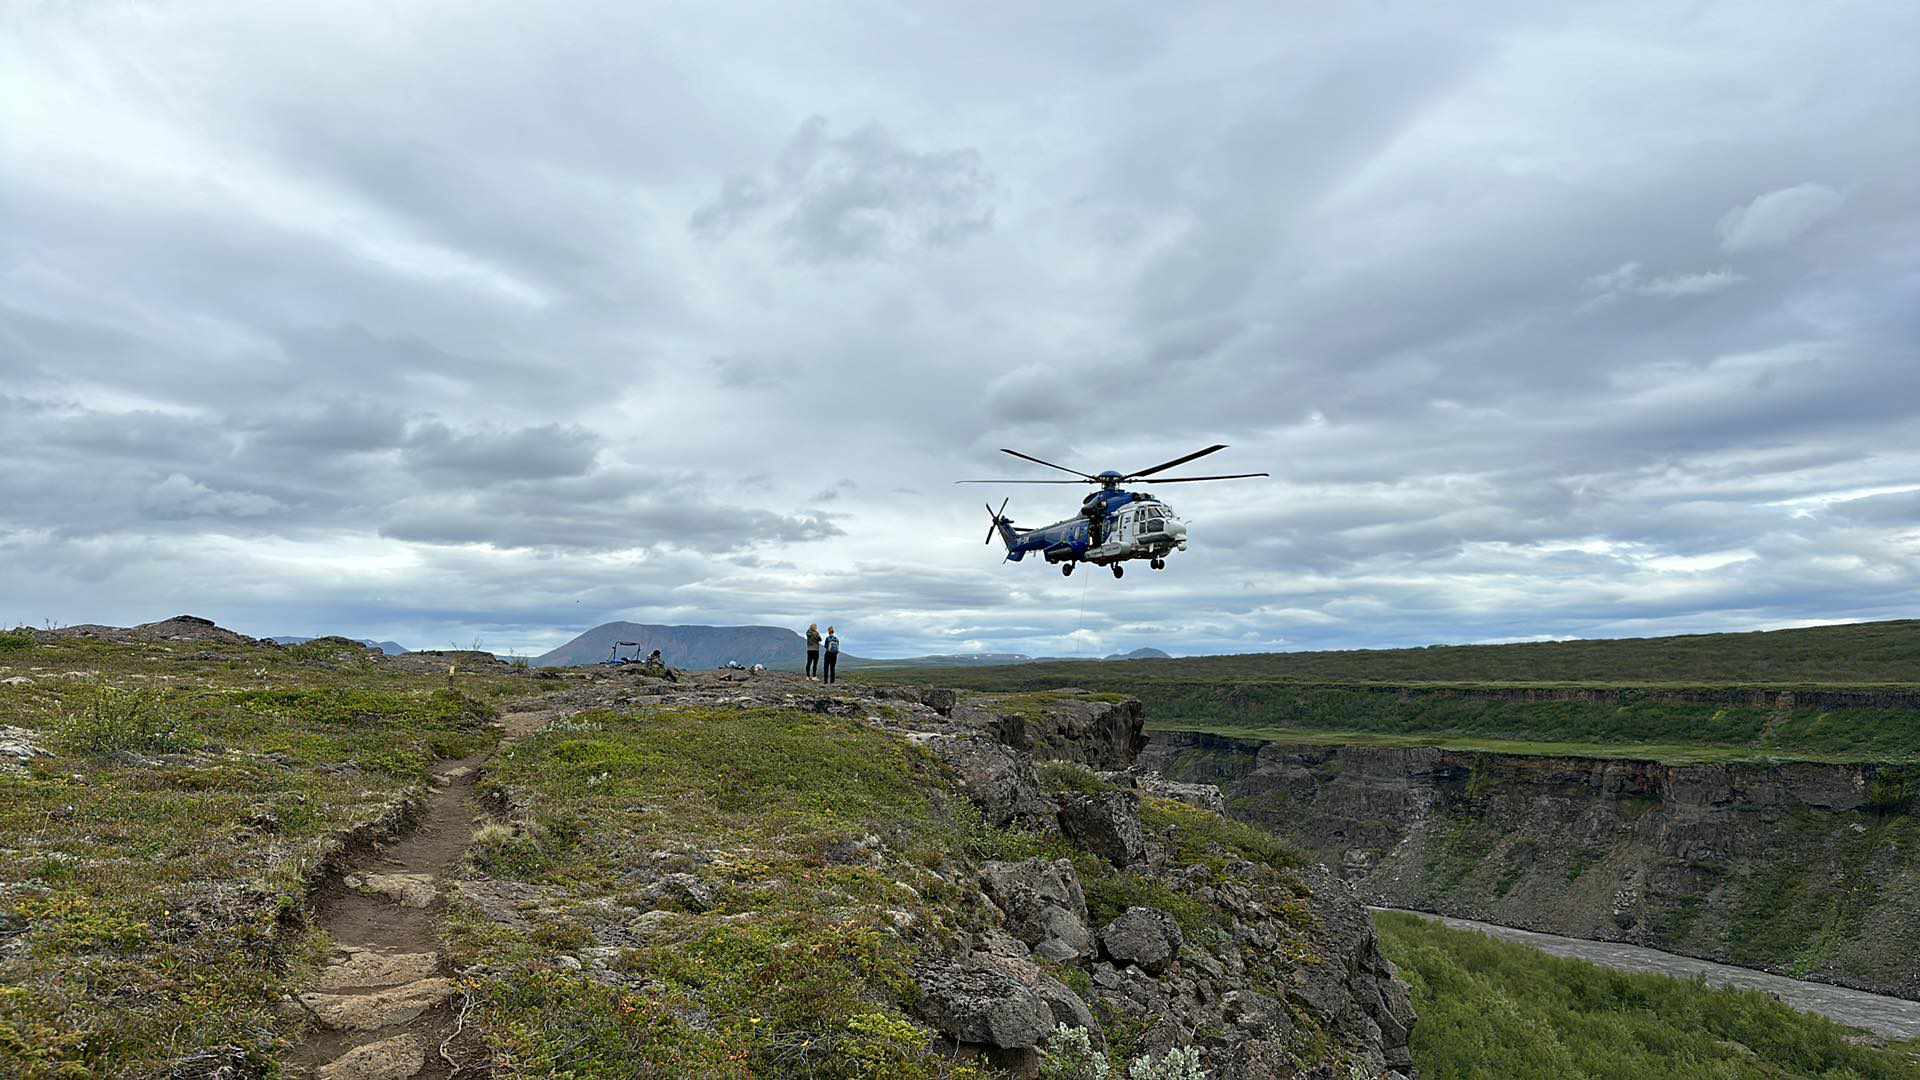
387	1006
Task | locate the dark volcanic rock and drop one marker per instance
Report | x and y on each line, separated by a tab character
1000	781
1100	734
1108	825
1142	935
973	1003
1044	906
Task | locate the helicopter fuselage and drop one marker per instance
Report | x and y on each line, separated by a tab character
1113	526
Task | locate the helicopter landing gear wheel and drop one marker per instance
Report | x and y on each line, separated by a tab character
1158	564
1066	569
1119	571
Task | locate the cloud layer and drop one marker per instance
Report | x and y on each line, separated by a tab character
445	326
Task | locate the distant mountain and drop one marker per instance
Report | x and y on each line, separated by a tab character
777	647
685	646
1140	654
391	648
990	659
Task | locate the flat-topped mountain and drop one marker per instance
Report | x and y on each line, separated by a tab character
685	646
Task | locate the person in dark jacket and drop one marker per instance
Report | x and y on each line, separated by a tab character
833	655
813	649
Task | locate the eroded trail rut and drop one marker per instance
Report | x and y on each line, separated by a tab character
1889	1017
386	1006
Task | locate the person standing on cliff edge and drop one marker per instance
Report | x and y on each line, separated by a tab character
813	649
833	655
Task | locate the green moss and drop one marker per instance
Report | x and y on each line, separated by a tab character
1210	839
1111	892
1057	777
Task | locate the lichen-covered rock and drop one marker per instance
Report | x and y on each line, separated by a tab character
18	746
1147	937
1204	796
1001	782
1065	1006
1044	905
972	1002
1107	824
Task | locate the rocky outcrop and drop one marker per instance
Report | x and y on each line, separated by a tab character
1060	726
178	628
1137	921
1278	960
1043	905
1801	868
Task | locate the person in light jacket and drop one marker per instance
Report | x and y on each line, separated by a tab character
813	649
833	655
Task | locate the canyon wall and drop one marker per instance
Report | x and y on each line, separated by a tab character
1807	869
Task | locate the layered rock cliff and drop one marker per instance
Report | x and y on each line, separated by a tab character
1807	869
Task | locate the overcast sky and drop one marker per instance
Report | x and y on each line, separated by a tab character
490	322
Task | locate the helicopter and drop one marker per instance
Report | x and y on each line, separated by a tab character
1113	525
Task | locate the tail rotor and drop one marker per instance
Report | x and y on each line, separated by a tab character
995	518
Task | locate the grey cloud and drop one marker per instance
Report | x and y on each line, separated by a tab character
1777	218
337	426
476	457
181	497
346	332
859	195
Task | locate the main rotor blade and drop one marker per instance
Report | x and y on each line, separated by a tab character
1178	461
1048	464
1191	479
1026	481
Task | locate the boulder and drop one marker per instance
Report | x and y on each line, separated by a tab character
1044	906
1145	937
974	1003
1065	1006
999	781
1107	825
683	889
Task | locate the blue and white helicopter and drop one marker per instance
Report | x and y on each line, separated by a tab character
1112	527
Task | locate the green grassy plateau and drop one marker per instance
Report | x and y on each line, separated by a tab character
150	865
1494	1010
799	961
1841	693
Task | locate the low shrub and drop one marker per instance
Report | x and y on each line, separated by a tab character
106	721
